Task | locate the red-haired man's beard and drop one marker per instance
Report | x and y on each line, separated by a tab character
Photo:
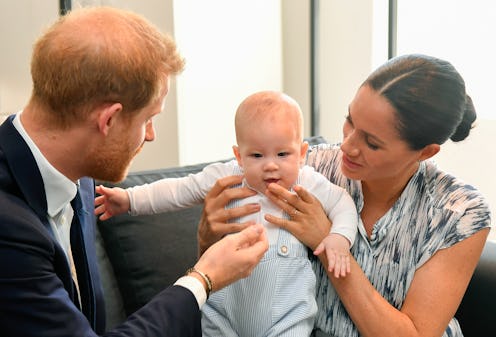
112	164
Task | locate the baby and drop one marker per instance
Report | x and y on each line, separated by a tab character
277	299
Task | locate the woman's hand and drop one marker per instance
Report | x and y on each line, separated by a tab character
214	224
308	222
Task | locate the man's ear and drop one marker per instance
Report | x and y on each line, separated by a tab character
237	155
107	117
429	151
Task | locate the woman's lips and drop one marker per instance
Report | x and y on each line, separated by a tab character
350	164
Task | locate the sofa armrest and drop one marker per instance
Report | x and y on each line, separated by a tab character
477	311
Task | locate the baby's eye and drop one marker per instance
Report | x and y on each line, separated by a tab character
256	155
283	154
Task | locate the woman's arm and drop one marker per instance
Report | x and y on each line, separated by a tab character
433	297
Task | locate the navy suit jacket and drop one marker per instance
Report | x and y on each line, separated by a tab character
37	294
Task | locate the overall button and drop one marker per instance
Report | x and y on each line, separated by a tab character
283	250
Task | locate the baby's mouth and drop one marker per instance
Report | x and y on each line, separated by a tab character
268	181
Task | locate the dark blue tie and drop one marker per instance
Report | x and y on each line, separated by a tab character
79	256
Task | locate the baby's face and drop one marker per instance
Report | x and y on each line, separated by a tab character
270	154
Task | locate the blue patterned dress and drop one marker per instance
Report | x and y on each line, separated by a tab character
435	211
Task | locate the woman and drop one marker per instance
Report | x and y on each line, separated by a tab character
421	231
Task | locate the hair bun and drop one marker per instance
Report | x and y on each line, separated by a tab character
466	124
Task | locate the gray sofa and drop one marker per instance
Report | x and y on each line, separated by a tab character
141	255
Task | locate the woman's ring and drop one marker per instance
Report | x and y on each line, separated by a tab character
295	212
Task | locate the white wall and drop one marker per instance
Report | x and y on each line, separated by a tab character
296	54
21	22
346	60
233	49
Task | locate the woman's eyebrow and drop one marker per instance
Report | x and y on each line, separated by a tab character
367	134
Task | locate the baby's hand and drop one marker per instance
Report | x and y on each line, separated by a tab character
337	249
110	202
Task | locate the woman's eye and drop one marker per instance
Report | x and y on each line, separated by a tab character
372	146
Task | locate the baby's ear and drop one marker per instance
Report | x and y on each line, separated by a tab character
303	152
237	155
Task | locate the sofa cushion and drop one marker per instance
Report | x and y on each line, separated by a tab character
114	307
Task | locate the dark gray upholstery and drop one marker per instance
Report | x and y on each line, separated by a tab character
141	255
477	312
147	253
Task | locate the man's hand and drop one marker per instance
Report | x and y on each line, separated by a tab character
234	257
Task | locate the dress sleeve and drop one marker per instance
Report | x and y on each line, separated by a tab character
457	211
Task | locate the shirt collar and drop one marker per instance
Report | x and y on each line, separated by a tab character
59	189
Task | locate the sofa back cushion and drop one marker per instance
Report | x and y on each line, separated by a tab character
150	252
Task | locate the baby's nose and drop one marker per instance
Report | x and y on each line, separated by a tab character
271	165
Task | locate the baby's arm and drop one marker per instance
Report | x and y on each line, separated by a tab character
170	194
341	210
110	202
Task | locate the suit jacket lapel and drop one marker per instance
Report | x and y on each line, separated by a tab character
27	181
21	163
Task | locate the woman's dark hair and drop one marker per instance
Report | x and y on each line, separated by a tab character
429	97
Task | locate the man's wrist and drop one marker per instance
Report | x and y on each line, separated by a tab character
202	277
196	286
